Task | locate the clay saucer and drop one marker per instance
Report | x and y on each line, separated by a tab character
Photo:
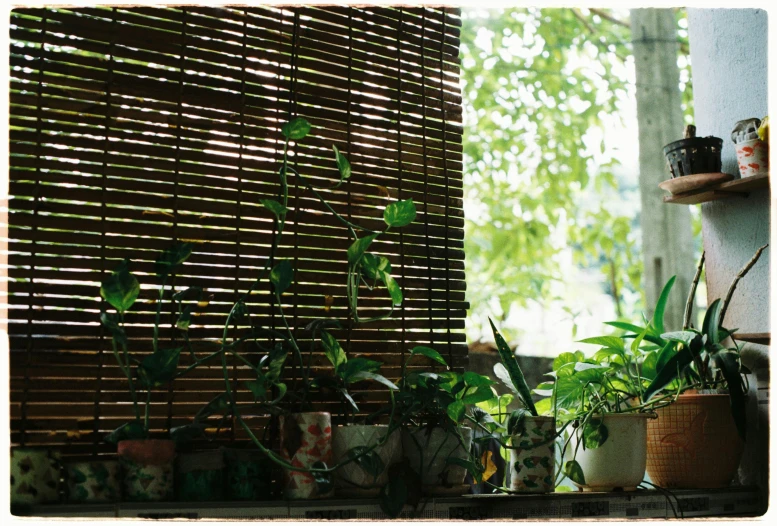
688	183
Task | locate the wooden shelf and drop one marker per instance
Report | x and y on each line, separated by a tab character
763	338
737	187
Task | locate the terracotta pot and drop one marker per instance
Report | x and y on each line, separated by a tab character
619	463
35	476
97	481
147	467
199	476
306	438
533	463
694	443
249	475
428	453
351	479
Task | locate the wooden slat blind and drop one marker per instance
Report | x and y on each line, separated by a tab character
131	127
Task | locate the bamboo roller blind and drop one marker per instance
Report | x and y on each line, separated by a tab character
132	127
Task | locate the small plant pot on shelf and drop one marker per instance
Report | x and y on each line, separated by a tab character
532	461
96	481
250	475
753	157
619	463
199	476
366	477
428	450
35	475
306	440
693	155
694	444
147	467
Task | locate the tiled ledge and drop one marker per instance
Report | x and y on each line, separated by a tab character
642	504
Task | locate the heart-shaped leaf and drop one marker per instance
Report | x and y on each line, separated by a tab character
343	166
171	258
400	213
281	276
159	368
275	207
574	472
595	433
296	129
359	247
121	288
332	350
456	411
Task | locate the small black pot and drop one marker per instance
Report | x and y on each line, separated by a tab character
696	155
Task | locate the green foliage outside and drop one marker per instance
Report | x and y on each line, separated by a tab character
540	87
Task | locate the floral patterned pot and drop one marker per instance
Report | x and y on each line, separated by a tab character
249	475
147	467
35	475
533	463
428	449
97	481
199	476
306	438
351	479
694	443
620	462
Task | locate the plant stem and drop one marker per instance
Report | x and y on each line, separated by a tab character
692	295
741	274
159	312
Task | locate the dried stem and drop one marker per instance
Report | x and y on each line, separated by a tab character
739	276
692	294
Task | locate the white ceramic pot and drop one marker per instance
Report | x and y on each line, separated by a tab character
753	157
619	462
427	453
351	479
533	461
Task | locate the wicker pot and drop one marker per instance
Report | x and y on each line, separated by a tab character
437	475
533	463
619	463
97	481
695	155
199	476
147	467
250	475
34	476
694	443
351	479
306	438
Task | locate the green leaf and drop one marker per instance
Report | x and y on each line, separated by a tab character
369	461
482	394
217	405
281	276
516	420
595	433
728	363
130	431
258	388
711	323
393	287
184	320
456	410
188	432
323	479
611	342
393	496
296	129
343	166
171	258
516	375
625	326
574	472
110	321
669	372
477	380
563	359
332	350
276	359
358	247
275	207
648	370
685	337
120	289
356	365
400	214
658	314
159	368
366	375
372	266
191	292
429	353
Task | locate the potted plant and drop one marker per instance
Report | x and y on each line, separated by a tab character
697	441
147	462
531	437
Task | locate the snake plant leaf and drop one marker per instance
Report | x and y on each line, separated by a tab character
332	350
429	353
170	258
159	368
130	431
343	166
281	276
658	314
296	129
400	214
121	288
359	247
516	375
728	363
